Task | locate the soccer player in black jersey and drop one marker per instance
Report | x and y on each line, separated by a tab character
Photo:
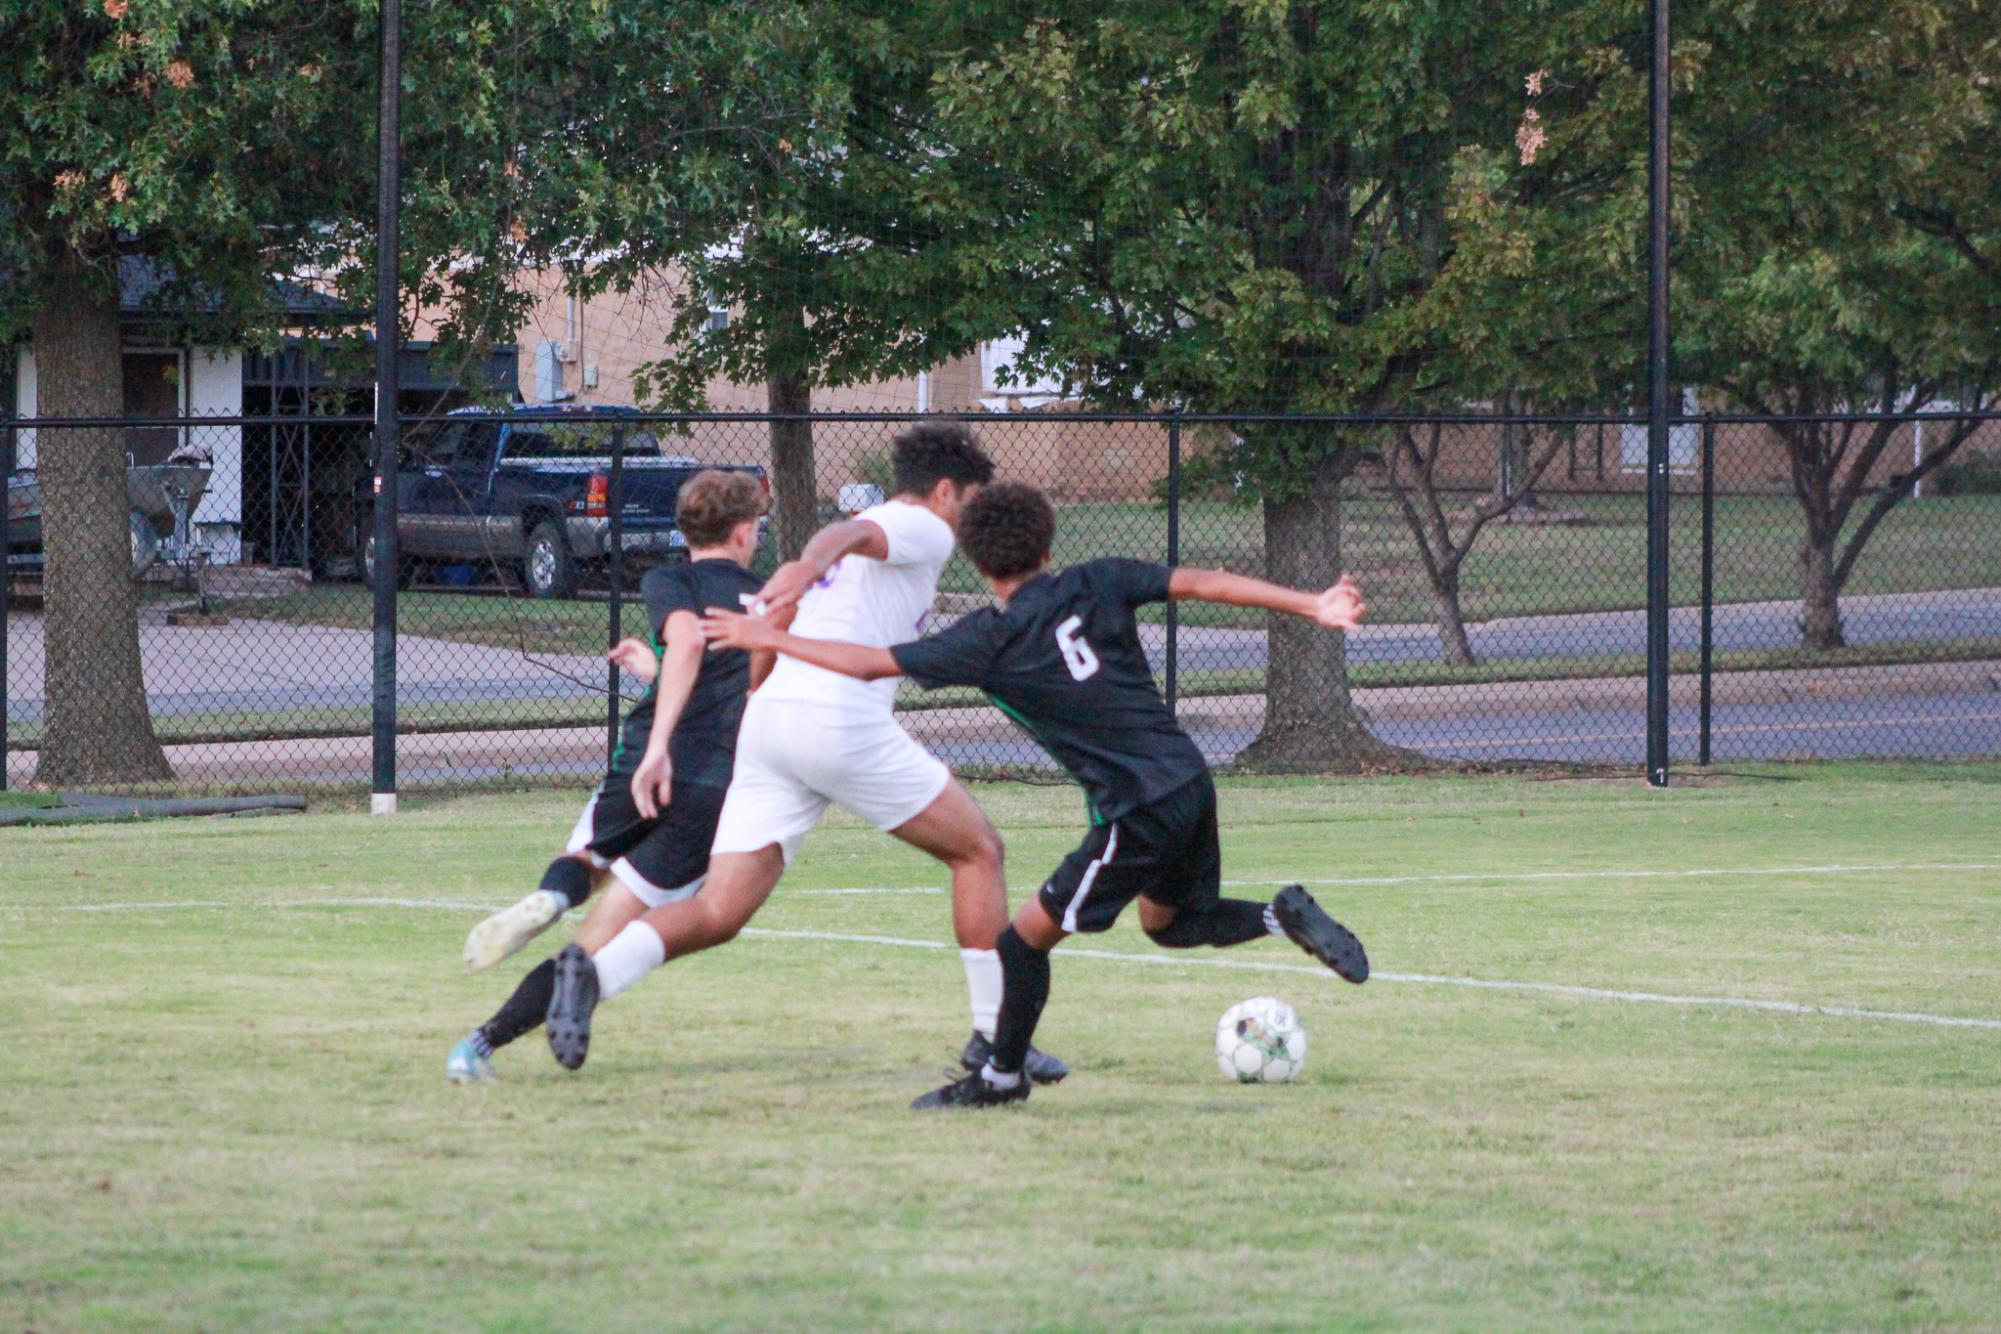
1062	657
649	825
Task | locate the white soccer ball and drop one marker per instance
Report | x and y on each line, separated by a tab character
1260	1041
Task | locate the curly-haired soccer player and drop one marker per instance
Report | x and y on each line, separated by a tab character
1062	657
649	825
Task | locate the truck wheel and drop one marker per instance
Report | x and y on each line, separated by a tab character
547	569
364	555
145	542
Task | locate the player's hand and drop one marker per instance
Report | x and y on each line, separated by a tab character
1340	607
788	583
653	783
635	657
729	629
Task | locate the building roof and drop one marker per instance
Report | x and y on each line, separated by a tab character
141	281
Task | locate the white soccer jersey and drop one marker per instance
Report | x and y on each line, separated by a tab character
877	603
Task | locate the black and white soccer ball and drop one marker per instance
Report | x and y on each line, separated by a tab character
1261	1041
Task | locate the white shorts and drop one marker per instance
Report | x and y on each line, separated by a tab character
794	759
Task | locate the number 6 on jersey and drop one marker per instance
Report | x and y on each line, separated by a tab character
1077	654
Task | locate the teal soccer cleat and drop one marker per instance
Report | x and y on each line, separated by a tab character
467	1065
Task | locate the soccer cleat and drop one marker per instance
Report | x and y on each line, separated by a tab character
1040	1065
974	1092
1308	926
466	1066
570	1007
509	929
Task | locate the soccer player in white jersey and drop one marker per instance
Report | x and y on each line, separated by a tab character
813	738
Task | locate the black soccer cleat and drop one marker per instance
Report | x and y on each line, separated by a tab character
1040	1065
570	1006
973	1092
1308	926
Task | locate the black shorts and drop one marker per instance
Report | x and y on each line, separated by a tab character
1166	850
658	860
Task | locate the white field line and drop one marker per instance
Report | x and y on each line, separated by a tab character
1492	877
1242	965
1432	980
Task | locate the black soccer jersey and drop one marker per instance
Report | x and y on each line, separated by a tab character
703	746
1063	659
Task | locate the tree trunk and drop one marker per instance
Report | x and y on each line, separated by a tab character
1820	595
1310	719
1452	638
96	727
795	487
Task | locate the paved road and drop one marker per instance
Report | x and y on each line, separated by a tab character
267	667
254	667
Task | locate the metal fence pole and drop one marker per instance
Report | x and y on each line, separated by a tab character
615	508
388	189
1708	576
1657	404
1173	556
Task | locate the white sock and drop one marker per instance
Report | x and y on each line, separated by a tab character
983	981
1271	922
998	1078
630	955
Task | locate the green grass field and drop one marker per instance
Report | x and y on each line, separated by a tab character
224	1106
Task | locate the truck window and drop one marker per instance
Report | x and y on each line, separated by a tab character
560	441
475	450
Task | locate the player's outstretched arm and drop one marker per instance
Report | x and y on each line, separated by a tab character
852	537
728	629
680	663
1337	608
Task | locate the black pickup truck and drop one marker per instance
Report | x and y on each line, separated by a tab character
534	497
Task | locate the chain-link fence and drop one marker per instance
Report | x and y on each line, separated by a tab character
203	587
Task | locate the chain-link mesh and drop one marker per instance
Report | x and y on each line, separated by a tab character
1504	564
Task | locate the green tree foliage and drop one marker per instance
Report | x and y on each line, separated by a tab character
607	140
841	243
1288	208
1841	245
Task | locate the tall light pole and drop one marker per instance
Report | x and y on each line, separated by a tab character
388	191
1657	401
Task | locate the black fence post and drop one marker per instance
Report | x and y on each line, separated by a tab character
388	191
615	616
1708	575
1173	555
1657	403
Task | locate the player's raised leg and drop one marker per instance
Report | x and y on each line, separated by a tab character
565	885
1183	907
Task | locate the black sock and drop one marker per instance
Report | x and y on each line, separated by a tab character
570	878
524	1011
1024	990
1229	922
